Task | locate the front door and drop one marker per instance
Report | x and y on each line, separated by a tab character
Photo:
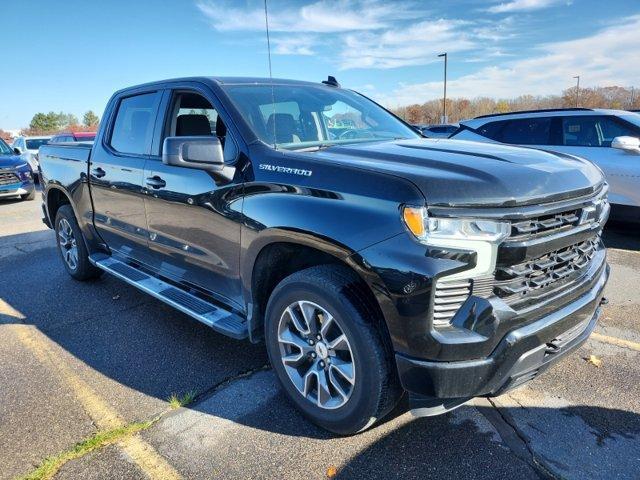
590	137
116	175
193	219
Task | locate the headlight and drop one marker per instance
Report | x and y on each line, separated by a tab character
432	230
24	173
471	234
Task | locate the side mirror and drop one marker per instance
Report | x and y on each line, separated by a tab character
203	153
631	144
17	151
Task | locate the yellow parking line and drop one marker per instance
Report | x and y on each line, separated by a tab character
105	418
150	461
616	341
8	311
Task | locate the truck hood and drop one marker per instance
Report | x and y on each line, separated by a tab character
464	173
11	161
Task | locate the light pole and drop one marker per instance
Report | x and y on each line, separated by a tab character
577	90
444	100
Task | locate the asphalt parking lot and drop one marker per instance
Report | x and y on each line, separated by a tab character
97	363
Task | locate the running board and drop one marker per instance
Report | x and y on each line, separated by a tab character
217	318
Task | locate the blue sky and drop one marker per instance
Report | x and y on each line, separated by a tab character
70	56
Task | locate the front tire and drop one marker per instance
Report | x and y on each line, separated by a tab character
71	246
325	344
29	196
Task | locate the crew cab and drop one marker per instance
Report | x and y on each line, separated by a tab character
369	260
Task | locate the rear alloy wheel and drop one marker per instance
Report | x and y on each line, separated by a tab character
68	244
326	345
72	247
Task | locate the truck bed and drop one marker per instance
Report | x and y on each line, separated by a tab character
65	162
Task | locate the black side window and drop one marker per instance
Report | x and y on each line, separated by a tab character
491	130
133	127
193	115
594	131
526	131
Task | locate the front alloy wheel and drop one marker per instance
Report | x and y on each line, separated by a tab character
325	343
316	354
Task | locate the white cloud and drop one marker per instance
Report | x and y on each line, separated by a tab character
522	6
294	45
323	16
296	30
597	59
418	44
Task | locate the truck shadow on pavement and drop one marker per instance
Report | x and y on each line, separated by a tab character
143	351
590	442
620	235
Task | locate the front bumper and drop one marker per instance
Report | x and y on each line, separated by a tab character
521	355
16	189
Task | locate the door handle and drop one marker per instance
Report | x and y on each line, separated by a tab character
156	182
98	172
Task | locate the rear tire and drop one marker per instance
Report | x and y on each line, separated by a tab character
331	297
71	246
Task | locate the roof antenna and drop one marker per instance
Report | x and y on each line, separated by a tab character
273	97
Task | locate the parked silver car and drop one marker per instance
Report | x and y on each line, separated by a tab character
609	138
28	148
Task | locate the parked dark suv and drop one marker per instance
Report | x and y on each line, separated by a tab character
369	260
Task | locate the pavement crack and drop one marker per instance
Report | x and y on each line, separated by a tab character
517	441
209	392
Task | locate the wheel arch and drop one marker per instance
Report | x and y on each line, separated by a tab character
279	253
56	197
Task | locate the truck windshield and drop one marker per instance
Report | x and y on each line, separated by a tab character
311	116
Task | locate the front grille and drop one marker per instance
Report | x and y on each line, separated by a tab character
449	297
553	269
545	224
537	260
8	178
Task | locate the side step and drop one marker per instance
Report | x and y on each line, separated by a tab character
216	317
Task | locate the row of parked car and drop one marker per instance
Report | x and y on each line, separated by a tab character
608	138
19	162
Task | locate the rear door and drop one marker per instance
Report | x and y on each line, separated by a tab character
116	174
194	219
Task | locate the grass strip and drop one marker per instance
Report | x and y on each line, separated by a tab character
177	401
51	465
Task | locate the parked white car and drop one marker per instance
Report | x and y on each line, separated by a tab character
28	148
609	138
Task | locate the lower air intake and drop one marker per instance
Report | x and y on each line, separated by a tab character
449	297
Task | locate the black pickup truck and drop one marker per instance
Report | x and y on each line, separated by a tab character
369	260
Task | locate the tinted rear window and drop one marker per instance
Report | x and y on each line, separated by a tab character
133	127
85	138
36	143
526	131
